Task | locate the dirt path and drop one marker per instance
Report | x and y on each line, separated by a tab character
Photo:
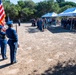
40	50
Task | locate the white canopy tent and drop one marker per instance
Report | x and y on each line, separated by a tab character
50	17
53	14
68	12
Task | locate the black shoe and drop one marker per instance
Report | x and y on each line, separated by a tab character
5	58
14	62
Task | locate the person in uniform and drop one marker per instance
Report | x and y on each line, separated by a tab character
3	43
12	41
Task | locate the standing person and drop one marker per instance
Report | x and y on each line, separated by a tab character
12	42
19	22
3	43
40	24
44	23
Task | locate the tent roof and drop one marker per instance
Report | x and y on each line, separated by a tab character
68	12
53	14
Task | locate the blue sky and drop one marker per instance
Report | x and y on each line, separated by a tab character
15	1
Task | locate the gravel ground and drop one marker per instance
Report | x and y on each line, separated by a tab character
52	52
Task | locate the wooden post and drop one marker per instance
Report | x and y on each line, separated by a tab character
16	27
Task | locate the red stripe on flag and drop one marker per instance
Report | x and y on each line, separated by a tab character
1	6
2	12
2	15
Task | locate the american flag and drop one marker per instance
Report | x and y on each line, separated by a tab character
2	14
